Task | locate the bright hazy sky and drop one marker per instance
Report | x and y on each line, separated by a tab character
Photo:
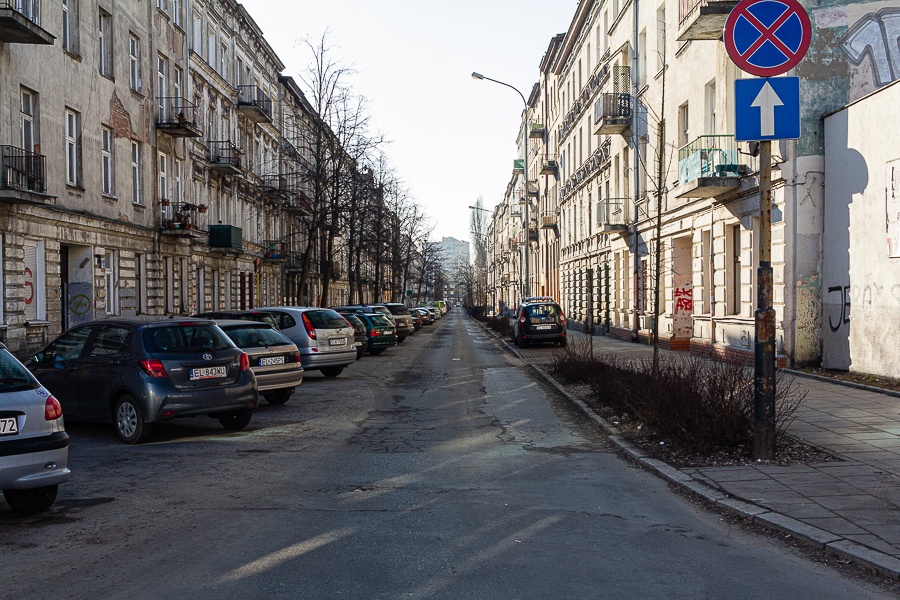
453	138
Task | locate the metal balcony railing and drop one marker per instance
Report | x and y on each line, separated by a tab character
224	155
709	156
22	170
30	9
179	117
611	213
612	106
20	23
255	103
703	19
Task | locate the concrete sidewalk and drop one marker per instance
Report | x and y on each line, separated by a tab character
851	508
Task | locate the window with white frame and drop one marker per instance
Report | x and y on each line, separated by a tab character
178	186
111	279
223	60
177	82
140	277
197	33
134	63
170	285
73	147
163	184
105	44
34	277
162	84
136	188
661	38
106	161
27	101
710	93
176	12
211	46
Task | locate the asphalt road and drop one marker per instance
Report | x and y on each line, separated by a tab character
438	469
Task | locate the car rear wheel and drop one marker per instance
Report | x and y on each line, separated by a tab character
236	419
279	396
562	343
129	421
376	350
32	500
400	339
332	371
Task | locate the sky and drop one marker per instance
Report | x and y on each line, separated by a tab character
452	138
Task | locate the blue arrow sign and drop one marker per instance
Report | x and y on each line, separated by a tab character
767	109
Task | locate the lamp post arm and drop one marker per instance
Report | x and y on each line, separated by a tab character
525	102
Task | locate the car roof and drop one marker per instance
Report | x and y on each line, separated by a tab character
242	323
142	320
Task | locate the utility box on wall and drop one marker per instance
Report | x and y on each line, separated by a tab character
226	236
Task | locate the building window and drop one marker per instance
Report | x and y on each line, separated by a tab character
73	147
134	63
35	292
176	12
105	39
710	108
178	187
111	277
170	285
683	124
734	270
177	82
223	54
140	281
136	173
70	26
661	38
26	107
107	160
161	5
162	84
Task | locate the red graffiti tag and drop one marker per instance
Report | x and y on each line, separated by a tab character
684	300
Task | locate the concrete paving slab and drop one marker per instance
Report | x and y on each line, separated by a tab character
813	535
883	563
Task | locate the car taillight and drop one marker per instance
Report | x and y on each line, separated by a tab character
52	409
295	357
310	330
373	333
522	319
245	362
562	319
153	367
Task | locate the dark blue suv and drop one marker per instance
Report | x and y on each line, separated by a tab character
135	371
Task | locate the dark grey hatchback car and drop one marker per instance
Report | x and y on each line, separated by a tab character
135	371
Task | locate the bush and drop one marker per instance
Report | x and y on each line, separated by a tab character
500	325
699	403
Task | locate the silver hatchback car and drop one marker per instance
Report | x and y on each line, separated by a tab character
34	446
325	338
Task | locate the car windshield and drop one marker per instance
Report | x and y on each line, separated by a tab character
357	324
325	319
397	310
255	336
542	313
178	339
14	377
380	321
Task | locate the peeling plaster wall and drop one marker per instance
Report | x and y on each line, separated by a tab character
861	271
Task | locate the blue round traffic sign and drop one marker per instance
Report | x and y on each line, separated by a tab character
767	37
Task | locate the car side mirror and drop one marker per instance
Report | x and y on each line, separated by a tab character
42	358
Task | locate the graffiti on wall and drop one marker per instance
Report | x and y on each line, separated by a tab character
840	304
872	41
892	206
684	300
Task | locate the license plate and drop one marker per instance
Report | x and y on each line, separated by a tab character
9	426
337	342
271	360
208	373
544	327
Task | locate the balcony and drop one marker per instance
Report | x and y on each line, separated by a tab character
549	166
612	113
20	23
178	117
703	19
254	104
537	131
225	157
274	186
611	214
22	170
180	219
533	189
709	167
549	220
275	251
226	238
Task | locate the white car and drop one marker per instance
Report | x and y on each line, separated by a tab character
324	338
34	446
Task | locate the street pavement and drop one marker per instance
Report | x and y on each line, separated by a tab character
849	508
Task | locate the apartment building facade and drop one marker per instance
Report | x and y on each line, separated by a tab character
635	102
153	162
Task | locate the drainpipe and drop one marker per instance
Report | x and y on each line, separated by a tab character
637	179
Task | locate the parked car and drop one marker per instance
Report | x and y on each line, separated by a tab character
402	318
380	332
34	446
359	333
133	372
435	312
539	321
274	359
241	315
416	319
403	326
324	338
426	316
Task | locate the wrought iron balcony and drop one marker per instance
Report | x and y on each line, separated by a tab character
537	131
611	214
709	167
275	250
703	19
549	165
20	23
225	157
612	113
178	117
254	103
226	237
180	219
549	220
22	170
533	188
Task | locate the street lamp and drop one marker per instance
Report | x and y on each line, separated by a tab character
525	287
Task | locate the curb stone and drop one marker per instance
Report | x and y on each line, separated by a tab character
883	563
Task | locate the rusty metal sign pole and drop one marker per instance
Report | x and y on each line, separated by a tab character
764	349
